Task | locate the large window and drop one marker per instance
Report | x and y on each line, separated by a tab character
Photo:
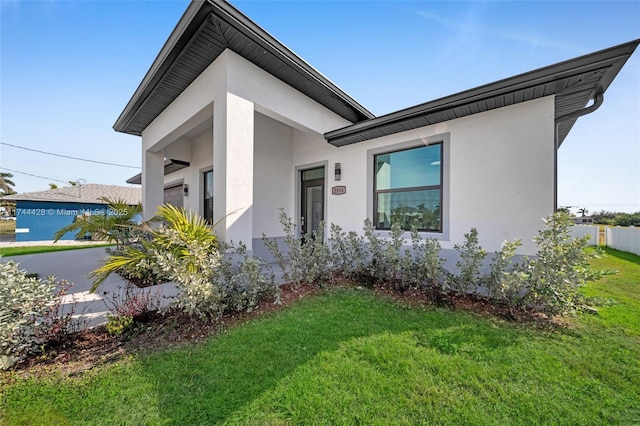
208	196
408	188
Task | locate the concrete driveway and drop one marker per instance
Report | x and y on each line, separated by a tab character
74	266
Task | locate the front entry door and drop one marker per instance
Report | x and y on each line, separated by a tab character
312	197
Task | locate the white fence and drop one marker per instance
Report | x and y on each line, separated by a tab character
620	238
579	231
624	238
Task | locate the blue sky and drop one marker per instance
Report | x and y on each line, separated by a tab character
68	69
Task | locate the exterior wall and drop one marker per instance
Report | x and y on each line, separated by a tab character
273	176
40	220
497	167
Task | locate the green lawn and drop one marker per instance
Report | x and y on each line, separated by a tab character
349	357
17	251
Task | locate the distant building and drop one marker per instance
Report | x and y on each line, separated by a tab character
583	220
39	215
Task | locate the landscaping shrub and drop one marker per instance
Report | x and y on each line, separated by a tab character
347	252
184	249
422	265
506	282
306	258
560	268
28	313
469	278
547	282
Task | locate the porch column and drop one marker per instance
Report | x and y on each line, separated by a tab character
233	168
152	183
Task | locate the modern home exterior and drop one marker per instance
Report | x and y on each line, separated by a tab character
235	126
40	214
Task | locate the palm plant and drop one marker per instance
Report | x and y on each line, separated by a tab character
183	237
113	227
6	184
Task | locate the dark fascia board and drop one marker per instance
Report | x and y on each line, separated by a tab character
188	25
616	57
169	52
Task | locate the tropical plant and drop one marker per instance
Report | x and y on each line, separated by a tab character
113	226
6	184
184	249
583	212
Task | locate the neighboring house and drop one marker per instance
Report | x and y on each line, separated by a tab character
253	128
583	220
39	215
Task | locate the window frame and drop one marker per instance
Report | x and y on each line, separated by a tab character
440	187
204	196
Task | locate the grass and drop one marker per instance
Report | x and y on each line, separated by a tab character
18	251
7	226
349	357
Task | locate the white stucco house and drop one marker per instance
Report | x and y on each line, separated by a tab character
235	126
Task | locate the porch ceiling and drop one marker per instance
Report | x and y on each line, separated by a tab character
205	30
574	83
170	166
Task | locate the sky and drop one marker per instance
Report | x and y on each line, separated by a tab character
68	68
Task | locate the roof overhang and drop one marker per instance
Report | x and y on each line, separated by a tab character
170	166
574	83
205	30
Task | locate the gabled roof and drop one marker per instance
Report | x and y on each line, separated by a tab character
205	30
574	82
89	193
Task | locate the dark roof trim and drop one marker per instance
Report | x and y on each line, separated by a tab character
227	21
577	80
170	166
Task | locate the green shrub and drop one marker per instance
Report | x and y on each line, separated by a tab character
25	305
119	325
185	250
560	268
347	252
469	278
506	282
307	258
422	265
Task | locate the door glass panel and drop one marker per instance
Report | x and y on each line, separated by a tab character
314	208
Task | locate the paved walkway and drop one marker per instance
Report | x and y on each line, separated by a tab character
74	266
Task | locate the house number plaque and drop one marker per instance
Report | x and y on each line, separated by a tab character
339	190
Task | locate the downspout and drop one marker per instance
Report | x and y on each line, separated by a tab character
598	99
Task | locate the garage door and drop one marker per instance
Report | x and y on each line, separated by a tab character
173	195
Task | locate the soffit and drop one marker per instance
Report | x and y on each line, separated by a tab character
170	166
203	33
573	82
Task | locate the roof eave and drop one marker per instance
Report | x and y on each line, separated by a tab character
619	54
158	64
180	37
